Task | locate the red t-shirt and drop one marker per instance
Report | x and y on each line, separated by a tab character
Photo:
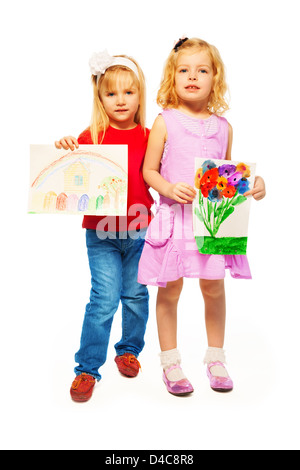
138	193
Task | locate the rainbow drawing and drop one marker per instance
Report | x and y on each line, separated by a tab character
91	180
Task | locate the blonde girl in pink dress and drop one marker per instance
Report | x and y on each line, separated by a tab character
192	96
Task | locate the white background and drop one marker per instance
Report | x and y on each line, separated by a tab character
46	94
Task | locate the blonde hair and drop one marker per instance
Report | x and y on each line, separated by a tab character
113	76
167	97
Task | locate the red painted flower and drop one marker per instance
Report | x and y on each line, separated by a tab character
206	188
210	176
229	192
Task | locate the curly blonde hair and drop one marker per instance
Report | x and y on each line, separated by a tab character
115	75
167	97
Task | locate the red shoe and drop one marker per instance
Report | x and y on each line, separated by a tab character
82	387
128	365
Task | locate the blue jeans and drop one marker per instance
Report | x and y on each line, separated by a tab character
114	267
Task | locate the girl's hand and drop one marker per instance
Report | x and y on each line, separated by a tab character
67	143
181	192
259	189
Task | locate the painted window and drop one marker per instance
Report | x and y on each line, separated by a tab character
78	180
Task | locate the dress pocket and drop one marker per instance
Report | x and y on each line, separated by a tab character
161	227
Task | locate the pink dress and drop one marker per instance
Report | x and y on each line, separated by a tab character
170	250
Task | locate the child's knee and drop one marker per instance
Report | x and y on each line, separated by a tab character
212	288
172	291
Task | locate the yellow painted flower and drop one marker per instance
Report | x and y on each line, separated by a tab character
243	168
198	177
222	183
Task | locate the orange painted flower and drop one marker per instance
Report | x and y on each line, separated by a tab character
222	183
229	192
243	168
198	177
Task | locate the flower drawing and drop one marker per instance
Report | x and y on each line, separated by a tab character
223	189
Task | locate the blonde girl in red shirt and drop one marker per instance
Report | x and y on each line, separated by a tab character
114	244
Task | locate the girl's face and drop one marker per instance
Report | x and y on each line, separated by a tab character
121	103
194	77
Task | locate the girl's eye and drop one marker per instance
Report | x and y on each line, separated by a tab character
203	71
110	94
129	92
183	70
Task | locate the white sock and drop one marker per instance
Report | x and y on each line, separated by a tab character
171	358
214	355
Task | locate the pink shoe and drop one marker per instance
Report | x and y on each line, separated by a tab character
219	384
178	387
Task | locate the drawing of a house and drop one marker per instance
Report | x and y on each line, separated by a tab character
76	177
70	183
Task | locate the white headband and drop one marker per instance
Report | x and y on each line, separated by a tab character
101	61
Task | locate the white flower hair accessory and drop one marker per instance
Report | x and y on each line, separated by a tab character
101	61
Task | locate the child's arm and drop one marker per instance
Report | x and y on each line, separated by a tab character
229	145
259	189
67	143
180	192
